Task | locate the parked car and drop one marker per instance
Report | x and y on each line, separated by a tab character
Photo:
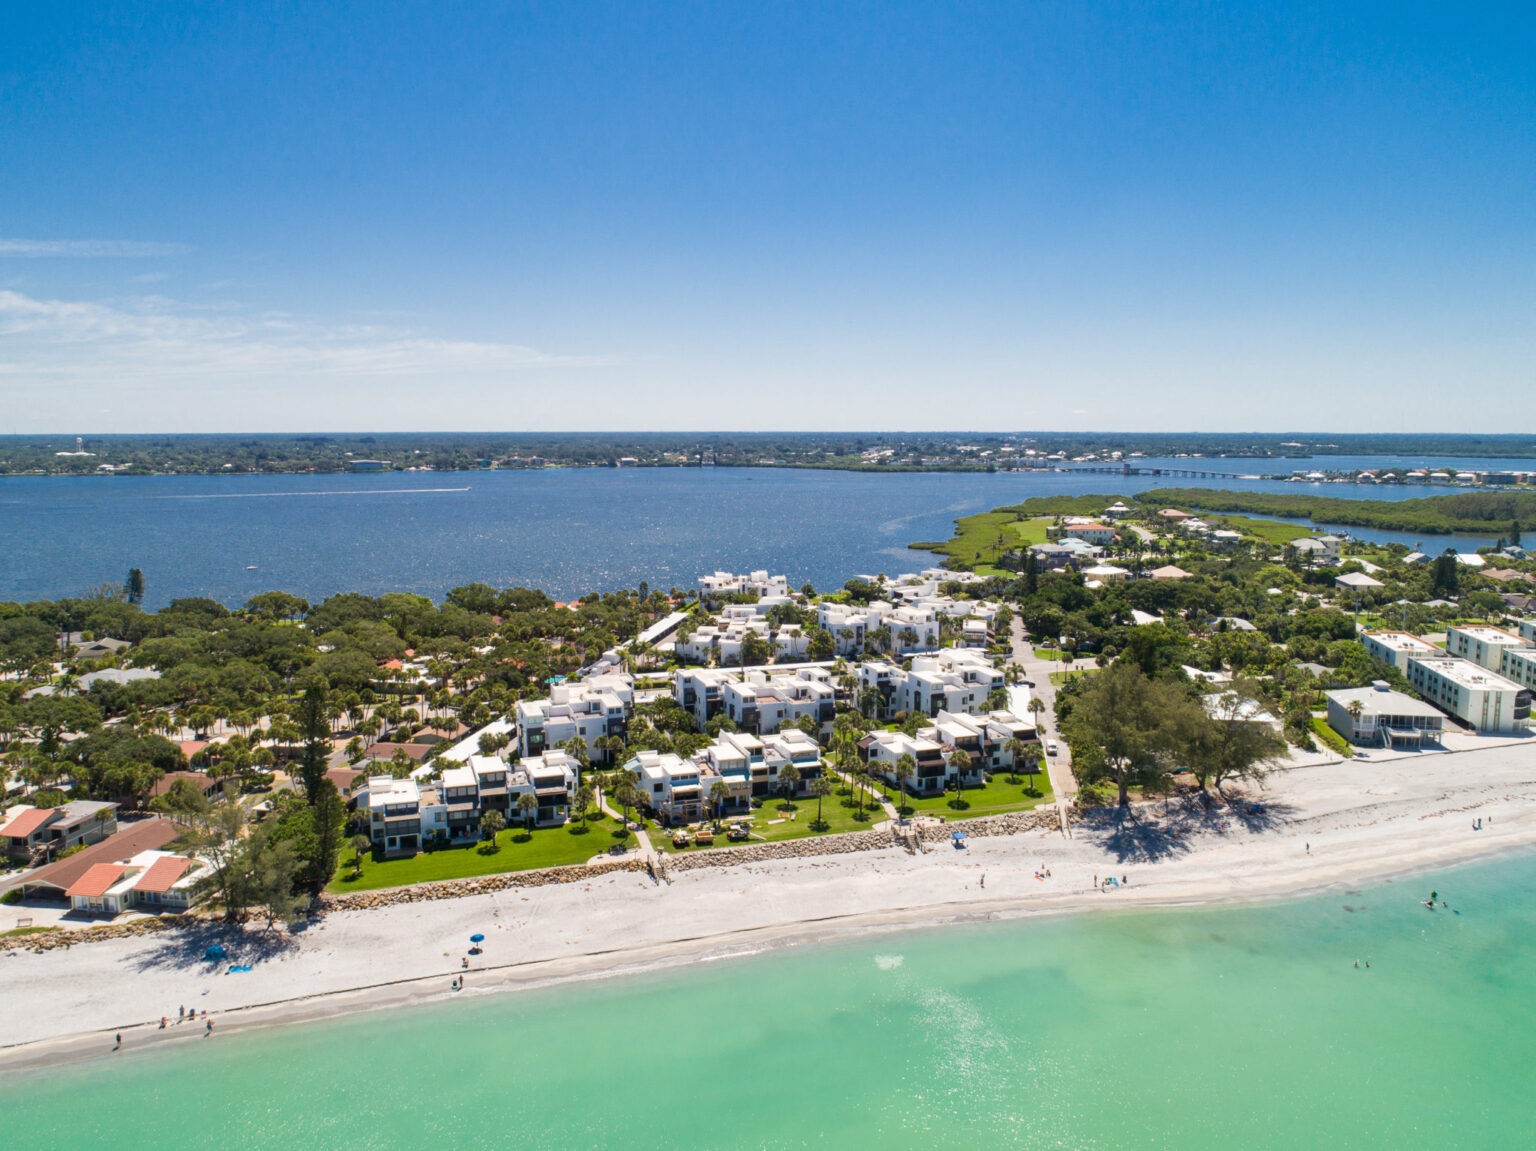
1050	747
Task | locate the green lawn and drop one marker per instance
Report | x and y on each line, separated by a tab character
1270	531
1060	677
772	821
995	796
16	931
1031	531
517	850
980	539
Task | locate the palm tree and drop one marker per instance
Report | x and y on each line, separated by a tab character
719	791
821	787
360	844
1017	749
527	806
493	821
584	802
904	769
789	776
961	762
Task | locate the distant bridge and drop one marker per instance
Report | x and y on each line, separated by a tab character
1135	470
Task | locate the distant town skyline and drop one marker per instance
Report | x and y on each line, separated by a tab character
653	217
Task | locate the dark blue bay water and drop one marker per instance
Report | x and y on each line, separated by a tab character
567	531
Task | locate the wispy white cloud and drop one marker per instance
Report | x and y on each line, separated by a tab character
88	248
154	338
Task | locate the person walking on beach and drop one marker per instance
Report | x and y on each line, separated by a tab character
983	880
207	1028
119	1041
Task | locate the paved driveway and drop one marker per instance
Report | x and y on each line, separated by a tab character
1038	671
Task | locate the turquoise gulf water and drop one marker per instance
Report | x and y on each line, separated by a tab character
1221	1028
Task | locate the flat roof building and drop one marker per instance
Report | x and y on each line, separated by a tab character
1483	699
1379	715
1395	647
1480	644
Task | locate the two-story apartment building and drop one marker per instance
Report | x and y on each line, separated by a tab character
40	833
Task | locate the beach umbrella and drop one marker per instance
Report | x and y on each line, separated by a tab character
477	938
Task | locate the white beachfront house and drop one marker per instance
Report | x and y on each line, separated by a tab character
589	710
1379	715
677	790
149	881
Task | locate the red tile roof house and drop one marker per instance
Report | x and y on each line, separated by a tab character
46	831
55	879
151	880
415	752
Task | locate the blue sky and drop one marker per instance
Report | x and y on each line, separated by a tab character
877	216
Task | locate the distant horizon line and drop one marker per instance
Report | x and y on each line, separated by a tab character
976	432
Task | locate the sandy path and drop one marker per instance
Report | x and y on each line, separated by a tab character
1363	821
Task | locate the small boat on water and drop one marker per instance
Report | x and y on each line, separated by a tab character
251	568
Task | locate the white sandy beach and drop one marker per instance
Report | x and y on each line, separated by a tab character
1363	820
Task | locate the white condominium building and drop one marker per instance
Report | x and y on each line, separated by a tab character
588	710
985	738
1478	697
1482	645
757	699
552	780
955	680
1396	647
881	752
759	702
401	814
725	583
1518	665
675	789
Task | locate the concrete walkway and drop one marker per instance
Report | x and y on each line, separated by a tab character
874	794
647	852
